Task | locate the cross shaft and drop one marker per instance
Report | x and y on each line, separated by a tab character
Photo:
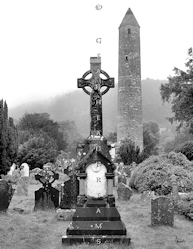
95	83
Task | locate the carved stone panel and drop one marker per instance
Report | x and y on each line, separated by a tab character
96	182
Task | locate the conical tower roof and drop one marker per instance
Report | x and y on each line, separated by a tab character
129	19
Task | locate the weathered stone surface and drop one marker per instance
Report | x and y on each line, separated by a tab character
22	186
69	193
124	192
94	239
6	193
46	197
162	211
65	214
129	82
96	213
96	221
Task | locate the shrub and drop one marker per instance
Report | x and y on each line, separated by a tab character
129	153
186	149
185	206
154	174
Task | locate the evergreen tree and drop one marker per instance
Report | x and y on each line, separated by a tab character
8	139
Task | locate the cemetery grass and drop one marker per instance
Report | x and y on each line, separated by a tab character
42	230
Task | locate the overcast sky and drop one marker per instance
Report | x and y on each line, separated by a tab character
46	45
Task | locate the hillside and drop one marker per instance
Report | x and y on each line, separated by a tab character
75	106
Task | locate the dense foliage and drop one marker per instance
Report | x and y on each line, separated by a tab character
128	153
38	150
185	206
179	91
151	138
40	139
182	136
35	122
154	173
186	149
8	139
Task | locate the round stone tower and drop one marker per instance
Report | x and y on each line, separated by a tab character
129	82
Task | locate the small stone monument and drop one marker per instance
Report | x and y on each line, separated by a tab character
46	197
175	194
124	192
69	189
23	182
162	211
6	193
12	169
96	219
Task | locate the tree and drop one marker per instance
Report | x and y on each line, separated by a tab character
8	139
38	150
150	137
128	153
179	91
31	124
183	135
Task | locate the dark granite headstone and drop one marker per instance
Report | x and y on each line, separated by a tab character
162	211
69	193
6	193
46	197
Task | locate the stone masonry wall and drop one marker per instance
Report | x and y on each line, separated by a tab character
129	82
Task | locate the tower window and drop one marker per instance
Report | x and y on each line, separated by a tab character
129	31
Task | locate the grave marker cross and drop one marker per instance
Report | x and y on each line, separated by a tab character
96	83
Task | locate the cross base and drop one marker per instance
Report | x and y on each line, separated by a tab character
96	224
96	239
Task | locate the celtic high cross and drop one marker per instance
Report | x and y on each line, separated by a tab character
95	83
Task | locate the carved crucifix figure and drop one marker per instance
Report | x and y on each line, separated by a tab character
96	83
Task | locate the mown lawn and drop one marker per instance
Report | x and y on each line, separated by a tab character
42	230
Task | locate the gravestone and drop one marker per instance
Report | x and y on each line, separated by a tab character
96	219
12	169
46	197
69	189
23	182
124	192
24	170
6	193
162	211
175	194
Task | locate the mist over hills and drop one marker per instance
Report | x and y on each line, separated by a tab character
75	106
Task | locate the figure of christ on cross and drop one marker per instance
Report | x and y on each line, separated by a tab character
96	83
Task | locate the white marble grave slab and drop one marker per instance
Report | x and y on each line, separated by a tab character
96	182
24	170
